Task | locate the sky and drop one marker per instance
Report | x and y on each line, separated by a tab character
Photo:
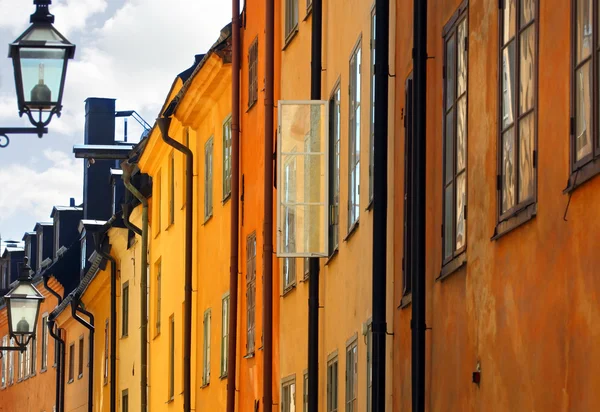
129	50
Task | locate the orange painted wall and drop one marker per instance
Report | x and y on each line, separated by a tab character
36	392
526	305
250	372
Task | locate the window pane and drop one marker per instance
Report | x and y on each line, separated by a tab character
508	173
448	223
583	35
461	135
462	58
461	197
508	83
526	136
527	78
449	166
583	121
509	17
527	11
450	71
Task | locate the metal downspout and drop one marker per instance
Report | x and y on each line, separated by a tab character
60	370
313	291
419	282
59	342
163	124
127	171
127	222
113	317
75	307
268	208
380	200
235	205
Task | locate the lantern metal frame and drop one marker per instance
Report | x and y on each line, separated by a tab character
42	18
22	339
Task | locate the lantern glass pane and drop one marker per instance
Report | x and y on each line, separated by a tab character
23	313
41	72
43	33
24	289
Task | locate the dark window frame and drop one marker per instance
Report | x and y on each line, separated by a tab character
125	400
208	178
80	357
172	188
291	20
333	382
524	211
588	166
171	382
286	384
71	376
451	30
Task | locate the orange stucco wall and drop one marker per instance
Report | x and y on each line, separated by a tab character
525	306
37	392
250	375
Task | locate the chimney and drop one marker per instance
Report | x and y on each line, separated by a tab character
99	130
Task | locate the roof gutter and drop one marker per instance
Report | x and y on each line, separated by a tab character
163	124
127	171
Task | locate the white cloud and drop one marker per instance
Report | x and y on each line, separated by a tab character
24	190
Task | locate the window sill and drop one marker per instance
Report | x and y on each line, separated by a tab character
249	355
80	376
333	254
453	266
207	218
406	301
171	399
223	376
71	381
251	105
290	37
288	289
125	336
519	218
169	226
370	205
308	11
226	198
583	174
156	335
205	385
352	230
43	370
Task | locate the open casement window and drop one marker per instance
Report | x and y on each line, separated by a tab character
227	158
408	230
585	140
206	349
250	292
335	123
352	377
253	73
171	393
3	363
44	342
105	372
224	334
372	111
208	178
332	385
517	140
302	181
455	134
291	18
305	392
288	394
354	138
11	363
71	362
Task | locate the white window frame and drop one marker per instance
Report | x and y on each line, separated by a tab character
206	348
354	135
225	309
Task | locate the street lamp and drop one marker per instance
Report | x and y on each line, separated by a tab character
40	56
23	303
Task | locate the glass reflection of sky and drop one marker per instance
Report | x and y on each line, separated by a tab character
40	64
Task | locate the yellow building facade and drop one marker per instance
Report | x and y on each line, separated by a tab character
200	122
345	287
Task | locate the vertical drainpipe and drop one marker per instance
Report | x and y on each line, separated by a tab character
419	281
60	343
113	313
163	124
313	298
235	204
127	170
268	209
75	307
380	198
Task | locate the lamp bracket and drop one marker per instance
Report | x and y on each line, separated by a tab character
5	131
